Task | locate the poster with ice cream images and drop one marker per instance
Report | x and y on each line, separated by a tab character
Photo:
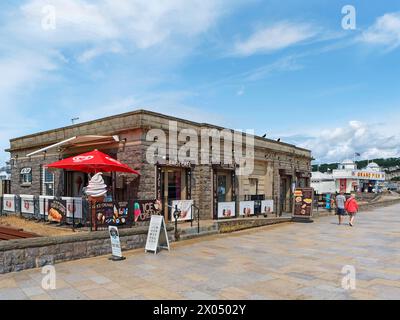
246	208
57	210
112	214
267	206
226	209
144	209
185	207
303	203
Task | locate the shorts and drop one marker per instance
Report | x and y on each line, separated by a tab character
352	213
340	212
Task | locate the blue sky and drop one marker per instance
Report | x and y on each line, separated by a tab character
285	68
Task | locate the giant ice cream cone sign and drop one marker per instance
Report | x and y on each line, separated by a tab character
96	187
96	191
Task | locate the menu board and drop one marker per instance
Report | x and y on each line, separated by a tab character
246	208
185	207
112	214
226	210
303	202
157	236
57	210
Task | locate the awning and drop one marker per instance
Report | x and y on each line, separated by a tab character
80	141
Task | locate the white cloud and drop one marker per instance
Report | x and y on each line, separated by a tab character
336	144
284	64
159	33
140	23
172	101
97	51
385	31
278	36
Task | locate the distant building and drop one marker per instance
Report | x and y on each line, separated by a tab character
4	175
347	178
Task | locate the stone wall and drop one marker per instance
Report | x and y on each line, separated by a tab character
16	255
35	163
202	190
226	226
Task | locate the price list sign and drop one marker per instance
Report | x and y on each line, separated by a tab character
157	235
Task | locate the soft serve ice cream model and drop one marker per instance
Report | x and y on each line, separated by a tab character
96	187
96	191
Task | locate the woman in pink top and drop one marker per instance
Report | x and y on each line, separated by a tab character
351	208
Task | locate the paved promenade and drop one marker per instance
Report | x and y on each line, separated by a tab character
287	261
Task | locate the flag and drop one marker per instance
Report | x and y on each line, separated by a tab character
357	154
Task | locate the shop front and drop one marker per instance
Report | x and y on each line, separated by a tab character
213	187
224	192
173	183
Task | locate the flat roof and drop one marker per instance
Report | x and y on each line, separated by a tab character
143	111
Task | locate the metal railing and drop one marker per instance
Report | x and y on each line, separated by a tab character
198	217
79	212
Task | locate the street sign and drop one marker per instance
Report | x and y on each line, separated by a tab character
157	236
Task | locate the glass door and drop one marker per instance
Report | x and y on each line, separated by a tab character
222	188
173	188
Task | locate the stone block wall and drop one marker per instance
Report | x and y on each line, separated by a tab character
202	190
35	163
16	255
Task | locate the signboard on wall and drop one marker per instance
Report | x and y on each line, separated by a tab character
112	214
246	208
226	209
303	202
185	207
9	202
27	204
143	210
57	210
267	206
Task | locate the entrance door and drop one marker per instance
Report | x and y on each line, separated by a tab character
343	185
286	194
173	188
222	188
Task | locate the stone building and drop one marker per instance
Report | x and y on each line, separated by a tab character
278	167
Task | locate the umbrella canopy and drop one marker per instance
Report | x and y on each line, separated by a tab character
92	162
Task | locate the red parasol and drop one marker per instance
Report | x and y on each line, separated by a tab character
92	162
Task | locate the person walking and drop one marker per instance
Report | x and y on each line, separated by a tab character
340	206
351	207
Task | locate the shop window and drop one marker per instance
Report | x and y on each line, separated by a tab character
222	186
26	176
47	182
